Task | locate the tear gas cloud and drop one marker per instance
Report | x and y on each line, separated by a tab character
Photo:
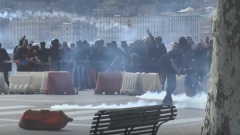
181	101
103	106
125	33
150	98
38	14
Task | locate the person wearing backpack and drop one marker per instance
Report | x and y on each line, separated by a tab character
170	64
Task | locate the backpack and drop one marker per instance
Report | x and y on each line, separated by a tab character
43	120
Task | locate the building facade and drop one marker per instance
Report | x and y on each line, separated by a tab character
205	28
178	25
20	27
79	30
171	26
68	32
36	29
115	28
4	31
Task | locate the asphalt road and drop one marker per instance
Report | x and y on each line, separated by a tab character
188	121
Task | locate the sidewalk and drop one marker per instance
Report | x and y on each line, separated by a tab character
184	129
193	128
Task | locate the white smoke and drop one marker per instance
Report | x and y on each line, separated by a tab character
10	15
180	101
128	34
125	33
90	20
103	106
38	14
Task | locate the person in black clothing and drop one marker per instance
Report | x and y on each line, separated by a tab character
97	56
16	47
127	54
97	51
159	52
5	67
170	64
43	57
65	57
137	56
54	56
80	59
114	57
22	56
33	58
160	47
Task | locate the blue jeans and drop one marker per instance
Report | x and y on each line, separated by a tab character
170	87
79	75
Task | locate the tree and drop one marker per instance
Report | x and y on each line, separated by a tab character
223	105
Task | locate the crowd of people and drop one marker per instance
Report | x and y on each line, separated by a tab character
145	55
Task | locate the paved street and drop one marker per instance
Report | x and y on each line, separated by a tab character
188	121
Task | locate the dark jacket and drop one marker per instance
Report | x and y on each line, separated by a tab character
4	56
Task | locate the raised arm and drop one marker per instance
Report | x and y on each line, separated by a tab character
151	37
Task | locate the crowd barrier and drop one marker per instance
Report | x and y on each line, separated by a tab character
36	80
127	83
108	83
139	83
59	83
50	82
20	84
132	84
44	82
180	85
152	82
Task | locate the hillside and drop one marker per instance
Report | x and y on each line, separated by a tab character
87	6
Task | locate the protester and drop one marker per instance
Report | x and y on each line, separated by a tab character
144	55
157	51
126	55
43	54
80	59
54	56
5	66
170	64
65	54
22	56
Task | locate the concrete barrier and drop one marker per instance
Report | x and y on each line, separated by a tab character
36	79
108	83
181	88
59	82
132	84
139	83
20	84
152	82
